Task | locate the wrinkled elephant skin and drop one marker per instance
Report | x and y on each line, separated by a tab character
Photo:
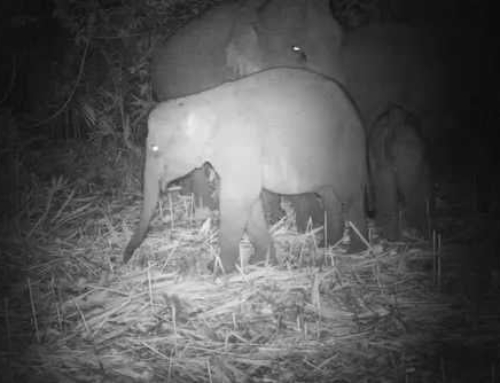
286	130
233	40
399	172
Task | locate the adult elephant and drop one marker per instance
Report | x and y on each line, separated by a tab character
287	130
235	39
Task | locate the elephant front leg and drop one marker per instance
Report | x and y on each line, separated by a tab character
386	203
258	232
235	206
334	218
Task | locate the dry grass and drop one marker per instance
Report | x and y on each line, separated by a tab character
360	315
406	311
382	315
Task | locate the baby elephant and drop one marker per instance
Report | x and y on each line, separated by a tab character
399	172
286	130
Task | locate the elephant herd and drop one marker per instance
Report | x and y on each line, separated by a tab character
280	101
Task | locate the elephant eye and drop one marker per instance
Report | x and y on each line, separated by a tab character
299	51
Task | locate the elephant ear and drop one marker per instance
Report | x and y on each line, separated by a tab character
243	54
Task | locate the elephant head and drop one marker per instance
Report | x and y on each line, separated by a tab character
284	33
233	40
176	144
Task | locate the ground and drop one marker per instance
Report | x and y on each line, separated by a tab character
418	311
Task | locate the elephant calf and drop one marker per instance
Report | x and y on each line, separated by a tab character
399	172
286	130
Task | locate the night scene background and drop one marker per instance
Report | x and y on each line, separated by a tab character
76	88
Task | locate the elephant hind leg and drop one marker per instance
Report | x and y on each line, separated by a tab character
306	206
258	233
334	217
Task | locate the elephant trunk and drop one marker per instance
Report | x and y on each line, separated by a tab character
151	192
